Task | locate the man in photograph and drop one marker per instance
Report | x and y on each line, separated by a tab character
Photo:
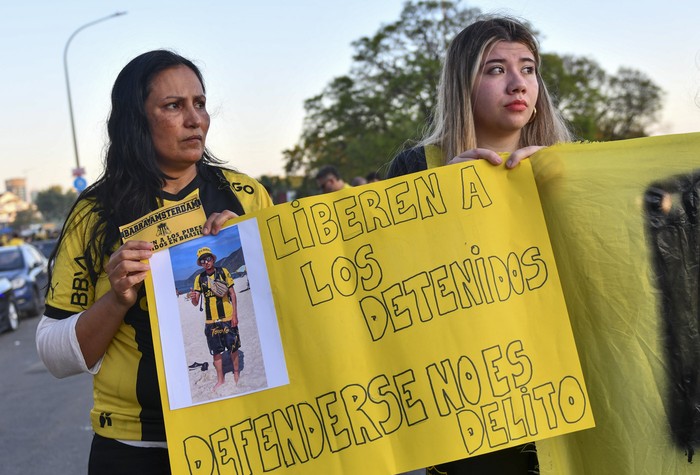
214	288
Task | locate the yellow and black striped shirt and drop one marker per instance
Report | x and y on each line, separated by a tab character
127	402
217	308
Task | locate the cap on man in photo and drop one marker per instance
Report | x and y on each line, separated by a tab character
203	252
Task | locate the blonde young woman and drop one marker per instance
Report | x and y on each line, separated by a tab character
491	100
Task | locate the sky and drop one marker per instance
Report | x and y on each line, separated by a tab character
183	258
261	60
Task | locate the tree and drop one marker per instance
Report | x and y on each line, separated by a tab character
54	204
632	102
600	106
575	85
23	219
362	119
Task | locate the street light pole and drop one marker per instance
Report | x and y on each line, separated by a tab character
65	70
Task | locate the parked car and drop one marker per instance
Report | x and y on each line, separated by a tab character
45	246
27	269
9	318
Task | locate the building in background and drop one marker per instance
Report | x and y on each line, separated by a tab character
10	205
18	187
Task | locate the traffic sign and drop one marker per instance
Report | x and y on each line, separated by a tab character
79	183
80	171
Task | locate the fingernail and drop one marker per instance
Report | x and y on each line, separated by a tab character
509	163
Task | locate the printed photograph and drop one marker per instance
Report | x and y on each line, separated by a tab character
221	349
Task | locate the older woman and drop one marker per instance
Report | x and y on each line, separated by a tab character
96	317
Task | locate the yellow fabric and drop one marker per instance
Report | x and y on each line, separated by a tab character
433	156
248	190
593	197
115	400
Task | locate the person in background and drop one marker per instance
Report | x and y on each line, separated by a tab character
96	319
15	239
329	180
491	100
372	177
358	181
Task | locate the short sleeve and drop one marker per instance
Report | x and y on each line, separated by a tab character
229	279
251	193
71	289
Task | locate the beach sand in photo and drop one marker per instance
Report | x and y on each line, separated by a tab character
252	376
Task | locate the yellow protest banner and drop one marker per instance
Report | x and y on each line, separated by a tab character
623	222
383	328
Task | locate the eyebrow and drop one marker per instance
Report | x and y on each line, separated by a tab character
197	96
524	59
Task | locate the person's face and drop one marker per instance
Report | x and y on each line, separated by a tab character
177	118
328	184
505	91
207	261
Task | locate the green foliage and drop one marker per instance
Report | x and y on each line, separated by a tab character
632	102
574	84
54	204
23	219
362	119
600	106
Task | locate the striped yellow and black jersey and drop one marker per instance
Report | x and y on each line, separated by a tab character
127	402
216	308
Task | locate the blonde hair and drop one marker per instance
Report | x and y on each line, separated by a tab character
452	128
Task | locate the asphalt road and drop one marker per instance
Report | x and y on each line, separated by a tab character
44	421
